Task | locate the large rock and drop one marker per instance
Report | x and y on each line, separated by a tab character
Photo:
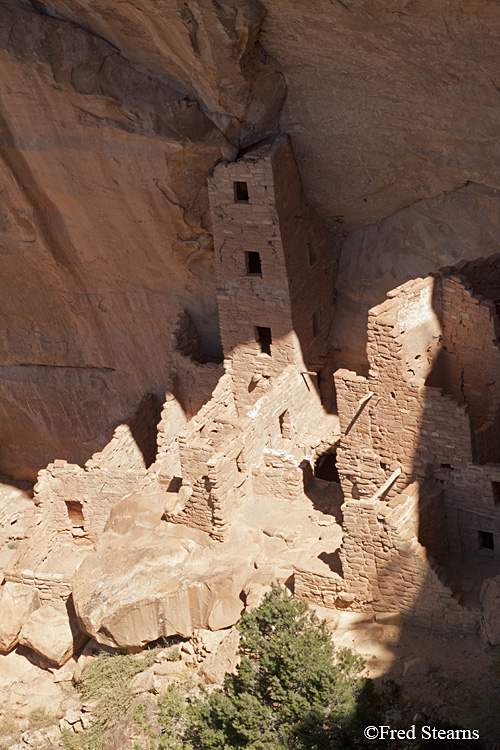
51	633
17	602
127	596
24	686
490	599
149	579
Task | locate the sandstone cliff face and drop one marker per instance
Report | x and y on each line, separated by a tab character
112	115
104	230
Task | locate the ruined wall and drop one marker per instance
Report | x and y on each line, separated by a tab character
405	424
199	444
225	458
385	568
468	363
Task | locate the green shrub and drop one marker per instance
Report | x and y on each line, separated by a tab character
106	679
293	689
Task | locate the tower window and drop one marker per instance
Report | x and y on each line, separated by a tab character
313	253
253	264
495	486
263	336
317	323
241	192
486	540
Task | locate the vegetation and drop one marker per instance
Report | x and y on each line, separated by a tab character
39	719
107	678
106	681
292	691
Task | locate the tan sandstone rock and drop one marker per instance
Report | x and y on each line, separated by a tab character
144	582
17	602
50	632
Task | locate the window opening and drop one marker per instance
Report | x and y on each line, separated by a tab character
495	486
313	253
253	264
263	336
285	425
317	323
486	540
75	513
326	467
241	192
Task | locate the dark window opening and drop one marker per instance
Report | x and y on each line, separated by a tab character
253	264
285	425
495	486
313	253
75	513
446	466
263	336
241	192
486	540
317	323
326	467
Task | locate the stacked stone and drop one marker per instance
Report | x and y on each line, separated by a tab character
50	586
274	223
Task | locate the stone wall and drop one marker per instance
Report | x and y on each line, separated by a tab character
385	568
274	269
225	458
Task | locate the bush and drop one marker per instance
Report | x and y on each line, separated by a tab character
39	718
106	679
292	691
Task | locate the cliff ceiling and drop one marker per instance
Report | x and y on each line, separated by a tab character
112	113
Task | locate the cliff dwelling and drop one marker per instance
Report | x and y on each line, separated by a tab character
398	466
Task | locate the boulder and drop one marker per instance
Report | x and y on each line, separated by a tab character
490	599
17	602
223	659
51	633
24	687
146	584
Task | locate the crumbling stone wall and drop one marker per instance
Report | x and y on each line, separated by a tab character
385	568
392	421
225	457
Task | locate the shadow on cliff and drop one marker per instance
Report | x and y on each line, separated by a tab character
434	654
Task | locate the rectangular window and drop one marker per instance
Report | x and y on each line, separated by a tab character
253	264
285	425
495	486
486	540
263	336
313	253
241	192
75	513
317	323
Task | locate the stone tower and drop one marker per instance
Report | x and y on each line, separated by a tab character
275	270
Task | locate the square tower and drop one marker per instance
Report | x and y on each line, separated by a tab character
274	268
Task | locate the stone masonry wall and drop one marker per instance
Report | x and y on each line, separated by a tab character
385	568
225	458
416	428
275	224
